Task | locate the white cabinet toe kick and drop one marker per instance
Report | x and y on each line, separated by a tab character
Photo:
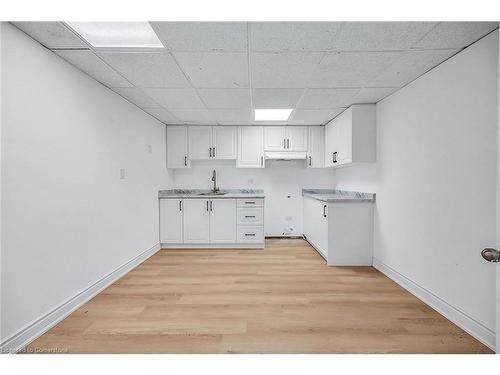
212	222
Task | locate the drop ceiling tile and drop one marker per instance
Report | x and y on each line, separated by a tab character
379	36
327	98
232	114
276	98
91	64
351	69
53	35
147	69
215	69
283	70
455	34
293	36
410	66
163	115
202	36
137	97
175	98
225	98
193	115
314	116
369	95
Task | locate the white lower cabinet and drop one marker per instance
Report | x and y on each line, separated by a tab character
196	220
342	232
223	221
212	222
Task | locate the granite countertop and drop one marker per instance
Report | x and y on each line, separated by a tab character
206	193
333	195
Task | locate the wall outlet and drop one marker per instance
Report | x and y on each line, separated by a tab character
150	149
122	173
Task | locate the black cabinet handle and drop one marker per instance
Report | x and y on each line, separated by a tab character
180	205
288	143
210	151
249	234
310	162
284	143
211	205
207	205
248	202
249	215
335	157
262	160
185	161
214	152
324	210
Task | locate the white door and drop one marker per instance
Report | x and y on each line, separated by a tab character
250	147
196	219
170	221
177	147
224	142
223	221
296	138
274	138
200	142
316	143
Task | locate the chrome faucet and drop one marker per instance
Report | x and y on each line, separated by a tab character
214	179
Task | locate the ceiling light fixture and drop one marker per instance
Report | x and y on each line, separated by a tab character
117	34
272	114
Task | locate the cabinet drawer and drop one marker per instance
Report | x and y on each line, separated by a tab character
251	234
250	216
251	202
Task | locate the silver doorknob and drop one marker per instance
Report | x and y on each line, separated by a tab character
491	255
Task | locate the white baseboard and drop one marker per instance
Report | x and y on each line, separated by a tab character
186	246
460	318
39	326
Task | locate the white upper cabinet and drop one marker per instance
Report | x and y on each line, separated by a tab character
351	136
296	138
316	147
274	138
250	147
224	142
285	138
177	147
200	142
212	142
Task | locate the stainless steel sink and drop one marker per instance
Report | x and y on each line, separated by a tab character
220	192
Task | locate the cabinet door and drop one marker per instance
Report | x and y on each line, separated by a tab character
200	142
177	147
330	138
224	142
274	138
316	153
321	222
296	138
223	221
170	221
196	219
344	144
250	147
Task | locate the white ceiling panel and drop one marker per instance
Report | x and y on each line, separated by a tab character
327	98
147	69
410	66
293	36
455	34
380	36
193	115
175	98
314	116
373	94
215	69
232	114
202	36
351	69
163	115
276	98
91	64
136	96
283	70
225	98
53	35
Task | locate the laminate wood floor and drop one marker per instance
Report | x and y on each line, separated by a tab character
283	299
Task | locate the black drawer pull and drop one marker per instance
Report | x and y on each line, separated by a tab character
249	234
249	202
249	215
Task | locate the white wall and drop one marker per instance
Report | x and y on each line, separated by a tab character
67	218
282	182
435	180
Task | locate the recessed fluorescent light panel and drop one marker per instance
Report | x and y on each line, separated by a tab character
117	34
272	114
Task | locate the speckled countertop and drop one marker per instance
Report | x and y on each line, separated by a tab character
206	193
333	195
